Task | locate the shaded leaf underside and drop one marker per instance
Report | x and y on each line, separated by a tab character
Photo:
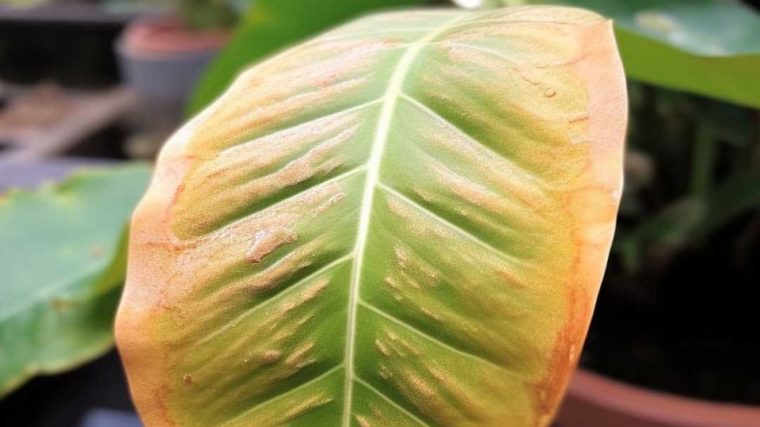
377	227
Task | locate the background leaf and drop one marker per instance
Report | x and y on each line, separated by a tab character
706	47
62	260
270	25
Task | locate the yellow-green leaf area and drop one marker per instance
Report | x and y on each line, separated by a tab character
403	221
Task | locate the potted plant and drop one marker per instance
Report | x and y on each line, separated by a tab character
163	54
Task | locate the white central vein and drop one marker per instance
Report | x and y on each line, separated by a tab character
391	96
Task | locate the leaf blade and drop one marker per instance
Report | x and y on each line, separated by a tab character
249	251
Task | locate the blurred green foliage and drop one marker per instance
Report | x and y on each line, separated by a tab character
202	14
63	260
24	3
693	166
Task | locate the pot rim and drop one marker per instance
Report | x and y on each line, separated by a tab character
139	39
658	406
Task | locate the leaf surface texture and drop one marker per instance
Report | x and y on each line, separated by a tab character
401	222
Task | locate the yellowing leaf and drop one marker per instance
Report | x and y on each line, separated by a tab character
401	222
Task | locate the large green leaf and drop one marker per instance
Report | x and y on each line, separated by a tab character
706	47
270	25
402	222
62	261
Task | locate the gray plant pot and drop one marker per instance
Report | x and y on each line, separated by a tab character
162	81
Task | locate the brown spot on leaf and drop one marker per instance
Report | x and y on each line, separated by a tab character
362	421
382	348
270	357
314	290
267	241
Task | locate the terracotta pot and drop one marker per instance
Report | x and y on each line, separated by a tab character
597	401
161	60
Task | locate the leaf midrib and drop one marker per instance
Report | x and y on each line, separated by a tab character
390	98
